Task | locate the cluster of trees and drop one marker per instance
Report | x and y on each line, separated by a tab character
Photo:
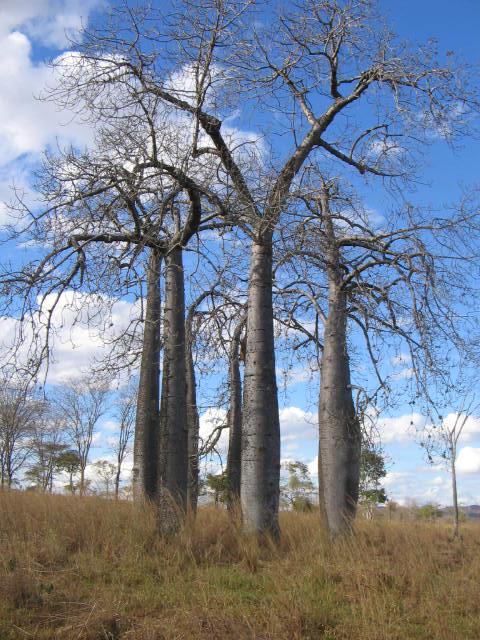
42	437
241	246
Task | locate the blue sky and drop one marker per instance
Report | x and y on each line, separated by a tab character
31	30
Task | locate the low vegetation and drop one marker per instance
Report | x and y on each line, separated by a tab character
88	568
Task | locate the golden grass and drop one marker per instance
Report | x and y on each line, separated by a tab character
87	568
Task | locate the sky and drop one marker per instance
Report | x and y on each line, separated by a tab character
32	31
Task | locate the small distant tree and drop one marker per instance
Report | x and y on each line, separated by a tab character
47	446
372	470
429	511
441	440
19	410
297	490
70	462
217	485
392	507
81	404
106	472
126	429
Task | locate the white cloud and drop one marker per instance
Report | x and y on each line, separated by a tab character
393	477
289	377
468	460
382	148
295	423
406	487
82	327
471	428
400	429
50	22
313	467
111	425
28	125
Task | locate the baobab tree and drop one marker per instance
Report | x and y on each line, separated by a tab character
314	63
357	276
325	56
103	216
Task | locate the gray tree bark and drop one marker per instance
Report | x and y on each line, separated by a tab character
193	420
145	448
173	454
234	457
339	442
260	466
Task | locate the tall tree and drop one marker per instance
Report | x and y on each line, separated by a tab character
145	452
375	277
173	451
234	458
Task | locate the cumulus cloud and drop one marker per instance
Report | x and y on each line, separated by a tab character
405	428
21	82
28	125
401	429
471	428
50	22
83	326
298	429
468	460
210	421
313	467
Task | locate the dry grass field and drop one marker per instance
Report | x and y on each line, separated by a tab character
88	568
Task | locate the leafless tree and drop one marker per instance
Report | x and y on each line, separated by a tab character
19	412
125	413
234	458
353	275
80	404
442	434
101	220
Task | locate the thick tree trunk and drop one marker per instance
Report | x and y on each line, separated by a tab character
173	454
260	468
145	448
193	420
339	446
234	458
